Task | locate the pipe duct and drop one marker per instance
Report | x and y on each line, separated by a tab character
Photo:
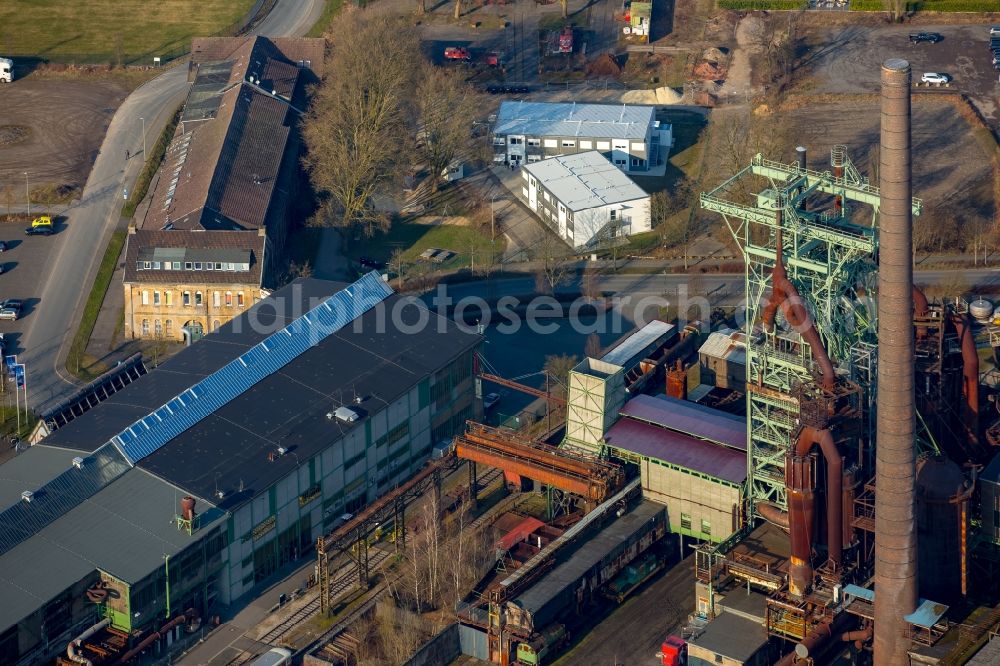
895	472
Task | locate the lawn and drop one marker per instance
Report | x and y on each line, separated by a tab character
413	239
109	31
330	8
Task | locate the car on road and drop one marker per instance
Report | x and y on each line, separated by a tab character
934	77
932	37
490	401
42	221
38	231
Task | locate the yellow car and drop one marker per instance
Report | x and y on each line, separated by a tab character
43	221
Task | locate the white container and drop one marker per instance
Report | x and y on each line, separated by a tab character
981	309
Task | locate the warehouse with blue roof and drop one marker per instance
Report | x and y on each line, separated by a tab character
311	404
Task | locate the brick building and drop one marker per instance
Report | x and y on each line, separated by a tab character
180	285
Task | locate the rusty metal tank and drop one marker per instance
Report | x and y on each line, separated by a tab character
187	507
942	516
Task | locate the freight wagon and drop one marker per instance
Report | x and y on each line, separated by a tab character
542	649
581	572
633	576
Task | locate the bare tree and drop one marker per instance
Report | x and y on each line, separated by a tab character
593	346
356	128
894	10
445	104
551	255
588	286
557	367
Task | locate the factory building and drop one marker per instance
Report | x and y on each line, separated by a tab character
189	487
627	135
722	360
690	457
585	199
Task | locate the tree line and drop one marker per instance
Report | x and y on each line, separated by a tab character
381	110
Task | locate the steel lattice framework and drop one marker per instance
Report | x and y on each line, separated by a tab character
830	255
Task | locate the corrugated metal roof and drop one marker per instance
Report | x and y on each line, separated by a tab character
585	180
110	531
640	342
989	655
729	345
611	121
928	614
732	636
678	449
587	556
519	532
860	592
690	418
31	469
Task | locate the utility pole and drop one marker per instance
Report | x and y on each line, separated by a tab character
27	192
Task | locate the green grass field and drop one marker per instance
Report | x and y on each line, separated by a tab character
106	31
413	239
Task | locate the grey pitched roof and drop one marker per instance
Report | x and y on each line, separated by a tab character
585	180
601	121
110	531
31	469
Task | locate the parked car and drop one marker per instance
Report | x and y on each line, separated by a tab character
42	221
3	246
9	313
490	401
368	262
931	37
995	30
934	77
14	303
38	231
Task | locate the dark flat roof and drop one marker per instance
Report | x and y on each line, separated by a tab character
679	449
732	636
228	449
691	418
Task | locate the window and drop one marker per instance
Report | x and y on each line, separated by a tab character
534	183
718	658
685	521
547	197
239	299
568	143
604	145
706	527
614	215
156	265
197	298
208	265
218	266
197	265
145	297
534	142
158	328
215	325
156	298
145	327
187	298
188	265
169	327
635	161
229	299
146	265
550	143
168	297
515	140
216	299
619	162
639	147
177	265
586	145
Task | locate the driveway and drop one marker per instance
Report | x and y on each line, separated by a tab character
77	251
849	59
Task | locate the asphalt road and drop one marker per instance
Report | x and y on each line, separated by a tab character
45	335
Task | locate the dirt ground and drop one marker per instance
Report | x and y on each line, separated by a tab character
66	122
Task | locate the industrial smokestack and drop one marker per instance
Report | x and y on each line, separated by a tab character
800	156
895	471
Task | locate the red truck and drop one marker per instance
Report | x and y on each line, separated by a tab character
673	652
456	53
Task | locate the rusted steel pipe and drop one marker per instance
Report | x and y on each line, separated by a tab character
188	615
920	306
786	296
800	484
773	514
895	522
834	490
858	635
970	374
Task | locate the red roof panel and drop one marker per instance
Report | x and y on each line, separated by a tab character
690	418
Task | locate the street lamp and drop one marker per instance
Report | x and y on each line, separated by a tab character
143	138
27	192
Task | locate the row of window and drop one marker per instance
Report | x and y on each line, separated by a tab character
585	144
217	298
706	526
166	328
191	266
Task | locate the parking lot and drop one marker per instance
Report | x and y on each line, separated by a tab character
25	261
848	60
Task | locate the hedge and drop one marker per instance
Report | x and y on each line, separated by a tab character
763	4
152	164
929	5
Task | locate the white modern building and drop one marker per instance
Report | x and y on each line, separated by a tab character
629	136
585	198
